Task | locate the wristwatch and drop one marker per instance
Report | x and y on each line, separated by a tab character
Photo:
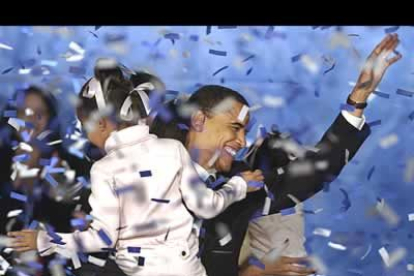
355	104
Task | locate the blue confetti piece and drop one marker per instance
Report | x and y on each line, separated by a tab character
110	38
83	257
219	70
317	93
125	189
330	69
382	95
21	158
53	161
403	92
56	170
28	125
34	224
271	195
10	113
34	265
104	237
391	29
288	211
374	123
194	38
76	152
226	27
59	241
78	223
255	184
49	178
172	37
134	249
183	126
145	173
208	30
8	70
248	58
269	32
25	136
141	261
346	203
241	153
216	183
217	52
296	58
95	35
249	71
160	200
82	180
371	171
411	116
251	123
77	70
97	27
263	131
256	262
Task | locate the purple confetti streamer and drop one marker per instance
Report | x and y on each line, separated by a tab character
25	136
49	178
219	70
406	93
183	126
330	69
95	35
375	123
217	52
160	200
296	58
382	95
194	38
249	71
256	262
371	171
248	58
21	158
255	184
240	154
145	173
346	203
104	237
411	116
132	249
78	223
125	189
33	224
172	36
7	70
288	211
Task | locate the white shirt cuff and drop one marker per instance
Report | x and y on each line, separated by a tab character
357	122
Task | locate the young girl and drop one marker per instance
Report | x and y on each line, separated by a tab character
145	191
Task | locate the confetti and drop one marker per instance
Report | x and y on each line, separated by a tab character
160	200
395	257
18	197
10	113
208	30
14	213
25	71
76	47
226	27
336	246
104	237
145	173
141	261
95	35
49	178
371	171
134	249
375	123
249	71
266	206
388	141
391	29
217	52
409	170
248	58
243	113
296	58
411	217
34	224
387	213
96	261
367	252
322	232
410	267
8	70
269	32
329	69
225	240
404	93
21	158
288	211
381	94
213	159
5	47
346	203
125	189
183	127
411	116
219	70
256	262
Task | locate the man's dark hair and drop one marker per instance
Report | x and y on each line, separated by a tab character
205	98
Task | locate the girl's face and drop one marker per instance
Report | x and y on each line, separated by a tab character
36	112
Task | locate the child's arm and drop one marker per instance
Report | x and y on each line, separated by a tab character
101	234
203	201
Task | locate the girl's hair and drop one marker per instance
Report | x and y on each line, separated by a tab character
116	91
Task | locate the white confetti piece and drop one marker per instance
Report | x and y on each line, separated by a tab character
336	246
273	101
74	58
409	170
51	63
310	64
301	168
225	240
25	71
389	141
15	123
367	252
410	267
96	261
76	47
411	217
56	269
387	213
4	265
322	165
213	159
266	207
25	147
346	156
280	171
14	213
5	47
243	113
322	232
255	108
54	142
5	241
395	257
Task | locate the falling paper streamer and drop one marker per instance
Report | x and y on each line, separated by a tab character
409	170
337	246
396	256
96	261
346	203
322	232
14	213
273	101
411	217
410	267
5	47
375	123
243	113
387	213
225	240
76	47
405	93
389	141
219	70
367	252
217	52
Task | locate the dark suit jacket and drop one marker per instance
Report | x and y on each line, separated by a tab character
340	141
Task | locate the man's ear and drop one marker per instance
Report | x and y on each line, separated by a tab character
198	120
